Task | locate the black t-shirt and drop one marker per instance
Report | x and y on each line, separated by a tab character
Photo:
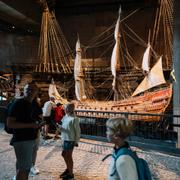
36	111
22	110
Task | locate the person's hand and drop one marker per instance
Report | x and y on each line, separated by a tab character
59	126
38	125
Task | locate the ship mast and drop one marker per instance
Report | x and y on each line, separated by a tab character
54	52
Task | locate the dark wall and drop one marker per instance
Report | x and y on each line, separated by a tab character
92	23
15	48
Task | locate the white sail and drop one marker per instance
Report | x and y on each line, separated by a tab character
78	74
155	77
53	92
115	58
145	61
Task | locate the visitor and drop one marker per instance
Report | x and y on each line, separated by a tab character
47	115
58	115
25	130
118	129
70	135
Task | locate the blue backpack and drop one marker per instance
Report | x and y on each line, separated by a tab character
144	172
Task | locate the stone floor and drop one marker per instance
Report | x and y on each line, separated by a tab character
87	160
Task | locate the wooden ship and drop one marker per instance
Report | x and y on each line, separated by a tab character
152	95
142	99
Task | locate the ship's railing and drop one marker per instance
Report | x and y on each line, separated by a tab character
109	114
160	135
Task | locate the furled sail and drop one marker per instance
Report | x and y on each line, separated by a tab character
115	58
145	61
53	92
78	74
155	77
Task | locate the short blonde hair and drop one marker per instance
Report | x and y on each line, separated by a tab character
69	108
120	126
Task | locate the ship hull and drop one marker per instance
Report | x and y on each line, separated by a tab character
154	102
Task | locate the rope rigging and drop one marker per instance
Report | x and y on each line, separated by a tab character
54	52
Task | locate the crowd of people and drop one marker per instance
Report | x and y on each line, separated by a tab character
27	118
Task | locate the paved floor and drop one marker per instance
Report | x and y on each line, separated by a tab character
87	161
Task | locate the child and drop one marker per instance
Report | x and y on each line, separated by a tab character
118	129
70	135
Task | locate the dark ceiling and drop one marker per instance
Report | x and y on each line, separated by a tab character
26	14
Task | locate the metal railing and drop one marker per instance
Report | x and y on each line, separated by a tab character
152	131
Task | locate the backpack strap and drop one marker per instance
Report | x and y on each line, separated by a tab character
108	155
141	165
143	170
122	151
125	151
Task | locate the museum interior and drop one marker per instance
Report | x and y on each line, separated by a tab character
110	58
32	32
105	55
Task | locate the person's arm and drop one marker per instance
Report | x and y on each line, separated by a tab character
126	168
12	123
